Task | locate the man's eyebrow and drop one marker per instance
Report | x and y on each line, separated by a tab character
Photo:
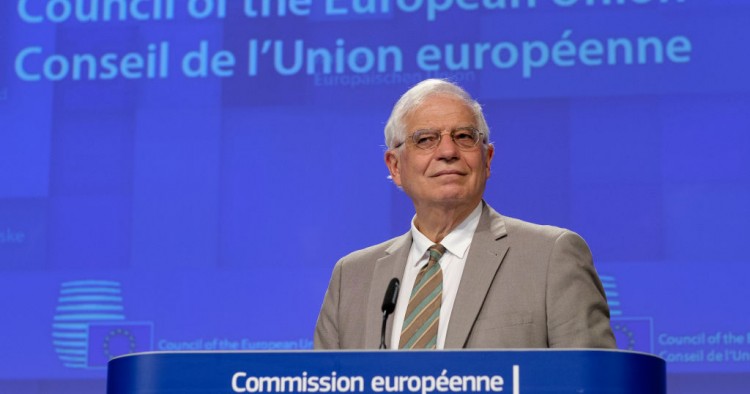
471	126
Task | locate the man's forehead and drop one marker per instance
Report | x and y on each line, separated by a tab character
441	108
443	98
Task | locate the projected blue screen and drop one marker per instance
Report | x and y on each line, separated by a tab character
184	174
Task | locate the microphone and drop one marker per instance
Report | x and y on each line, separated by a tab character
389	304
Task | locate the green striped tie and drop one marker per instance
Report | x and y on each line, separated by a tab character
423	313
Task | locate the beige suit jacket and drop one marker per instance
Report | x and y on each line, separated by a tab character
523	286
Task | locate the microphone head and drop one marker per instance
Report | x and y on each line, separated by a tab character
391	296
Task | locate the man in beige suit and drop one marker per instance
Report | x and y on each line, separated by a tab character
470	277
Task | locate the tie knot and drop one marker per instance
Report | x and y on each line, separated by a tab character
436	252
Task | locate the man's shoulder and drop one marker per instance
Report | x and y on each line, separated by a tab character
522	230
535	241
371	253
518	226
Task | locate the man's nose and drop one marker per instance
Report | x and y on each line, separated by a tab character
447	149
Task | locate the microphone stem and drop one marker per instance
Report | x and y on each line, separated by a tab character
382	331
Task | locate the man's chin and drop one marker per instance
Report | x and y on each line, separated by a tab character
451	199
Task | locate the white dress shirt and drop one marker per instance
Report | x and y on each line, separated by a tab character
456	244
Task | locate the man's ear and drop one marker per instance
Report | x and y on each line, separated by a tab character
489	154
393	164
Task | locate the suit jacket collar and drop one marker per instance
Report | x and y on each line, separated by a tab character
488	248
390	266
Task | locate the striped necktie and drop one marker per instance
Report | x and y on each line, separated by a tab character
423	312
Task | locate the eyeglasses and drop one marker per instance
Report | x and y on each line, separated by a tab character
466	138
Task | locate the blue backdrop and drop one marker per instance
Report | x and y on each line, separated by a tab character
164	163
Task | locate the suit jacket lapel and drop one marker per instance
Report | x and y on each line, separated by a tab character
488	248
390	266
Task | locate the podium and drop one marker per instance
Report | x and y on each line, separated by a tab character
424	372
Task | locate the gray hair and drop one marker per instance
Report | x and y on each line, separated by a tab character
395	130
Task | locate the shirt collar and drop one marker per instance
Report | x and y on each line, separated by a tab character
457	242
